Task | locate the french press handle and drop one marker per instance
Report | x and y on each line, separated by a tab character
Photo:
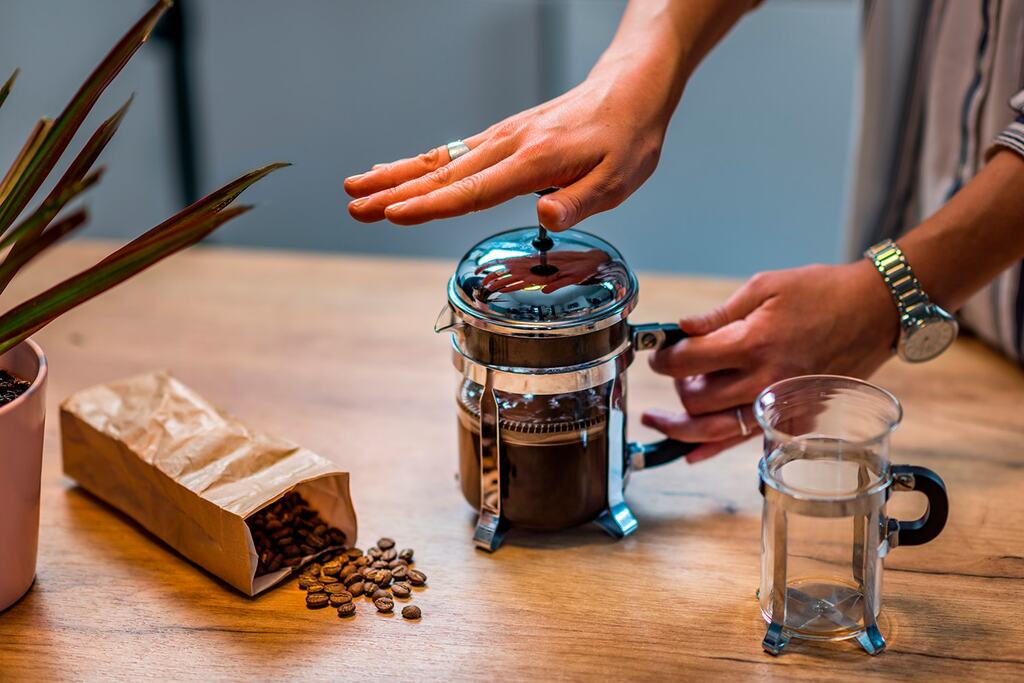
931	523
651	337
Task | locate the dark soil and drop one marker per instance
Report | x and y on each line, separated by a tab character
11	387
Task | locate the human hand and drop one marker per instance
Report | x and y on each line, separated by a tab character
598	143
520	272
813	320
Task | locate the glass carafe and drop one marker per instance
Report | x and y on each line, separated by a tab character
826	478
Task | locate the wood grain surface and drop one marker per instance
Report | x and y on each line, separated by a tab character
338	354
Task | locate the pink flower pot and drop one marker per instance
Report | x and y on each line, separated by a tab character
21	460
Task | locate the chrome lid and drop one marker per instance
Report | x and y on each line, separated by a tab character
512	282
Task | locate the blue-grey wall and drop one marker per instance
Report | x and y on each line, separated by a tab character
752	177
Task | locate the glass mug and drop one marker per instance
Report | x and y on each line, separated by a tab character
825	479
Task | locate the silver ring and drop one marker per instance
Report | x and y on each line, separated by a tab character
744	429
456	148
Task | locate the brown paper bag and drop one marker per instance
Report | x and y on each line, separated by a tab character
191	474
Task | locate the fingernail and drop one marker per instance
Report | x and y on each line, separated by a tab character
395	207
355	204
353	178
561	213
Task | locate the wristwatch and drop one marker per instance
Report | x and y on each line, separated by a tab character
926	330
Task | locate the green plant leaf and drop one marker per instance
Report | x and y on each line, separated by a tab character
39	165
5	89
24	320
218	199
15	260
35	139
37	221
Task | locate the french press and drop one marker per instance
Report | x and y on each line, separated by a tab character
541	342
826	478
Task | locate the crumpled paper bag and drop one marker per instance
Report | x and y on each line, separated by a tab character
191	474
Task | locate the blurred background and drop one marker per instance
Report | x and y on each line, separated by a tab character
753	175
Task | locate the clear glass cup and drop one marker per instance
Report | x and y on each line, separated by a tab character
826	477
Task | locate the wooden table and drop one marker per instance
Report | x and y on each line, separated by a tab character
338	354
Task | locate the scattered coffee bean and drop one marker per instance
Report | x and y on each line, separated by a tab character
411	612
315	588
417	578
397	563
380	593
369	587
361	561
314	569
386	543
374	553
347	610
384	604
400	573
325	579
335	588
353	578
332	568
356	589
379	564
406	555
382	578
353	553
307	581
389	555
401	590
339	599
317	600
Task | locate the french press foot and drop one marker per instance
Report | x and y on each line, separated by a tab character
618	521
775	639
490	531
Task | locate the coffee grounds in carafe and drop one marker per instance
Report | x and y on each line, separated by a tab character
554	455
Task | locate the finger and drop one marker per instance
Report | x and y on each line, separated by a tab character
372	208
597	191
702	428
723	349
510	177
383	176
742	302
706	394
710	450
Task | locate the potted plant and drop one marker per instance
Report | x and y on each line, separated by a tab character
22	364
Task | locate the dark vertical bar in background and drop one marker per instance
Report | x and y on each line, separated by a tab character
176	32
554	59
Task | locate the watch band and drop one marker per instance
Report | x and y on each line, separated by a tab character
911	301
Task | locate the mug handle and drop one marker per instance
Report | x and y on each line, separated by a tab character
931	523
651	337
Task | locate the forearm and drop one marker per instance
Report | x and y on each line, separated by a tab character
975	236
659	43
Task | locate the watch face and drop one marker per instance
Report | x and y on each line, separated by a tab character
929	340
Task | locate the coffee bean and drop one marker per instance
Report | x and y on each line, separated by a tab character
397	563
335	588
347	610
336	536
353	578
314	568
401	590
347	571
292	551
380	593
332	568
326	578
379	564
293	561
411	612
315	588
369	587
384	604
275	563
356	589
406	555
361	561
382	578
416	577
389	555
374	553
306	581
400	572
317	600
316	541
385	543
339	599
353	553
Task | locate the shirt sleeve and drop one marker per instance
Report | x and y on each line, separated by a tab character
1012	136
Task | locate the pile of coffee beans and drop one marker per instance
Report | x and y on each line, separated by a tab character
11	387
288	531
382	575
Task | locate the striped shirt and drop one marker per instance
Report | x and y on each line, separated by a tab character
941	88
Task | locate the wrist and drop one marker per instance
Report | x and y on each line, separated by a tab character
873	301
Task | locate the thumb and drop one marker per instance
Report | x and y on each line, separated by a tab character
595	192
742	302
